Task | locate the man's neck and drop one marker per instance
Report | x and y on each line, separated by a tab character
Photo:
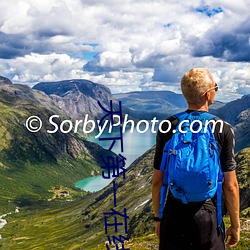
203	107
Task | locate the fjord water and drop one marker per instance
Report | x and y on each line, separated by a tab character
134	145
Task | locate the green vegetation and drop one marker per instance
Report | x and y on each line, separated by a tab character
243	175
32	163
49	225
38	172
58	225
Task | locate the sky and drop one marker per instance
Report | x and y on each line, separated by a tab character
127	45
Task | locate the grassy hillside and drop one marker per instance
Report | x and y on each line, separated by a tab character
243	175
32	163
79	224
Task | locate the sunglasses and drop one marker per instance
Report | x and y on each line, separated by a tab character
216	87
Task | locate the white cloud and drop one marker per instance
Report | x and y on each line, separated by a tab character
140	44
34	68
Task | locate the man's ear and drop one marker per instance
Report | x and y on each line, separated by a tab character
207	95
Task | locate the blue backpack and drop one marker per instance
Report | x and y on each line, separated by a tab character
191	162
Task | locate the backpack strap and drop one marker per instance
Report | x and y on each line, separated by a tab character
164	169
164	188
219	200
209	116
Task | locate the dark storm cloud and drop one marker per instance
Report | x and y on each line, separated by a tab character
12	46
232	46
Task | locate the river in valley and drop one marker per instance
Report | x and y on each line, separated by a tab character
134	144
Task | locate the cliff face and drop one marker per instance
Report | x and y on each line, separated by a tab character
78	97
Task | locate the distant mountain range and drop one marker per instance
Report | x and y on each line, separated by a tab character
159	104
148	104
79	97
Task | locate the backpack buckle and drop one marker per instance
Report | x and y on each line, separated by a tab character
172	152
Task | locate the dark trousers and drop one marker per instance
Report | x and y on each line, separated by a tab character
190	227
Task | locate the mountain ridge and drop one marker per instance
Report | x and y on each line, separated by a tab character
4	80
78	97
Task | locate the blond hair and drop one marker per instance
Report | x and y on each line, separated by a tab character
195	83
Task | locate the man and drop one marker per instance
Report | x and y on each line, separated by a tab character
194	225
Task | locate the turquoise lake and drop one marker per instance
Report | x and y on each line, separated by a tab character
134	145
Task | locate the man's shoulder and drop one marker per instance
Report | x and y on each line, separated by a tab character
225	126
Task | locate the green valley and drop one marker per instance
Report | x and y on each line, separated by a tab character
32	163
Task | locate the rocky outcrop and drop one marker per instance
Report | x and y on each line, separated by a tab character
78	97
242	130
4	80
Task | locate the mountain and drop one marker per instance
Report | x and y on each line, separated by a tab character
4	80
232	110
36	167
160	104
216	105
237	114
242	130
79	224
31	164
78	97
148	104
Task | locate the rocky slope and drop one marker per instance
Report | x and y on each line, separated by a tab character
4	80
134	193
242	130
232	110
78	97
237	114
